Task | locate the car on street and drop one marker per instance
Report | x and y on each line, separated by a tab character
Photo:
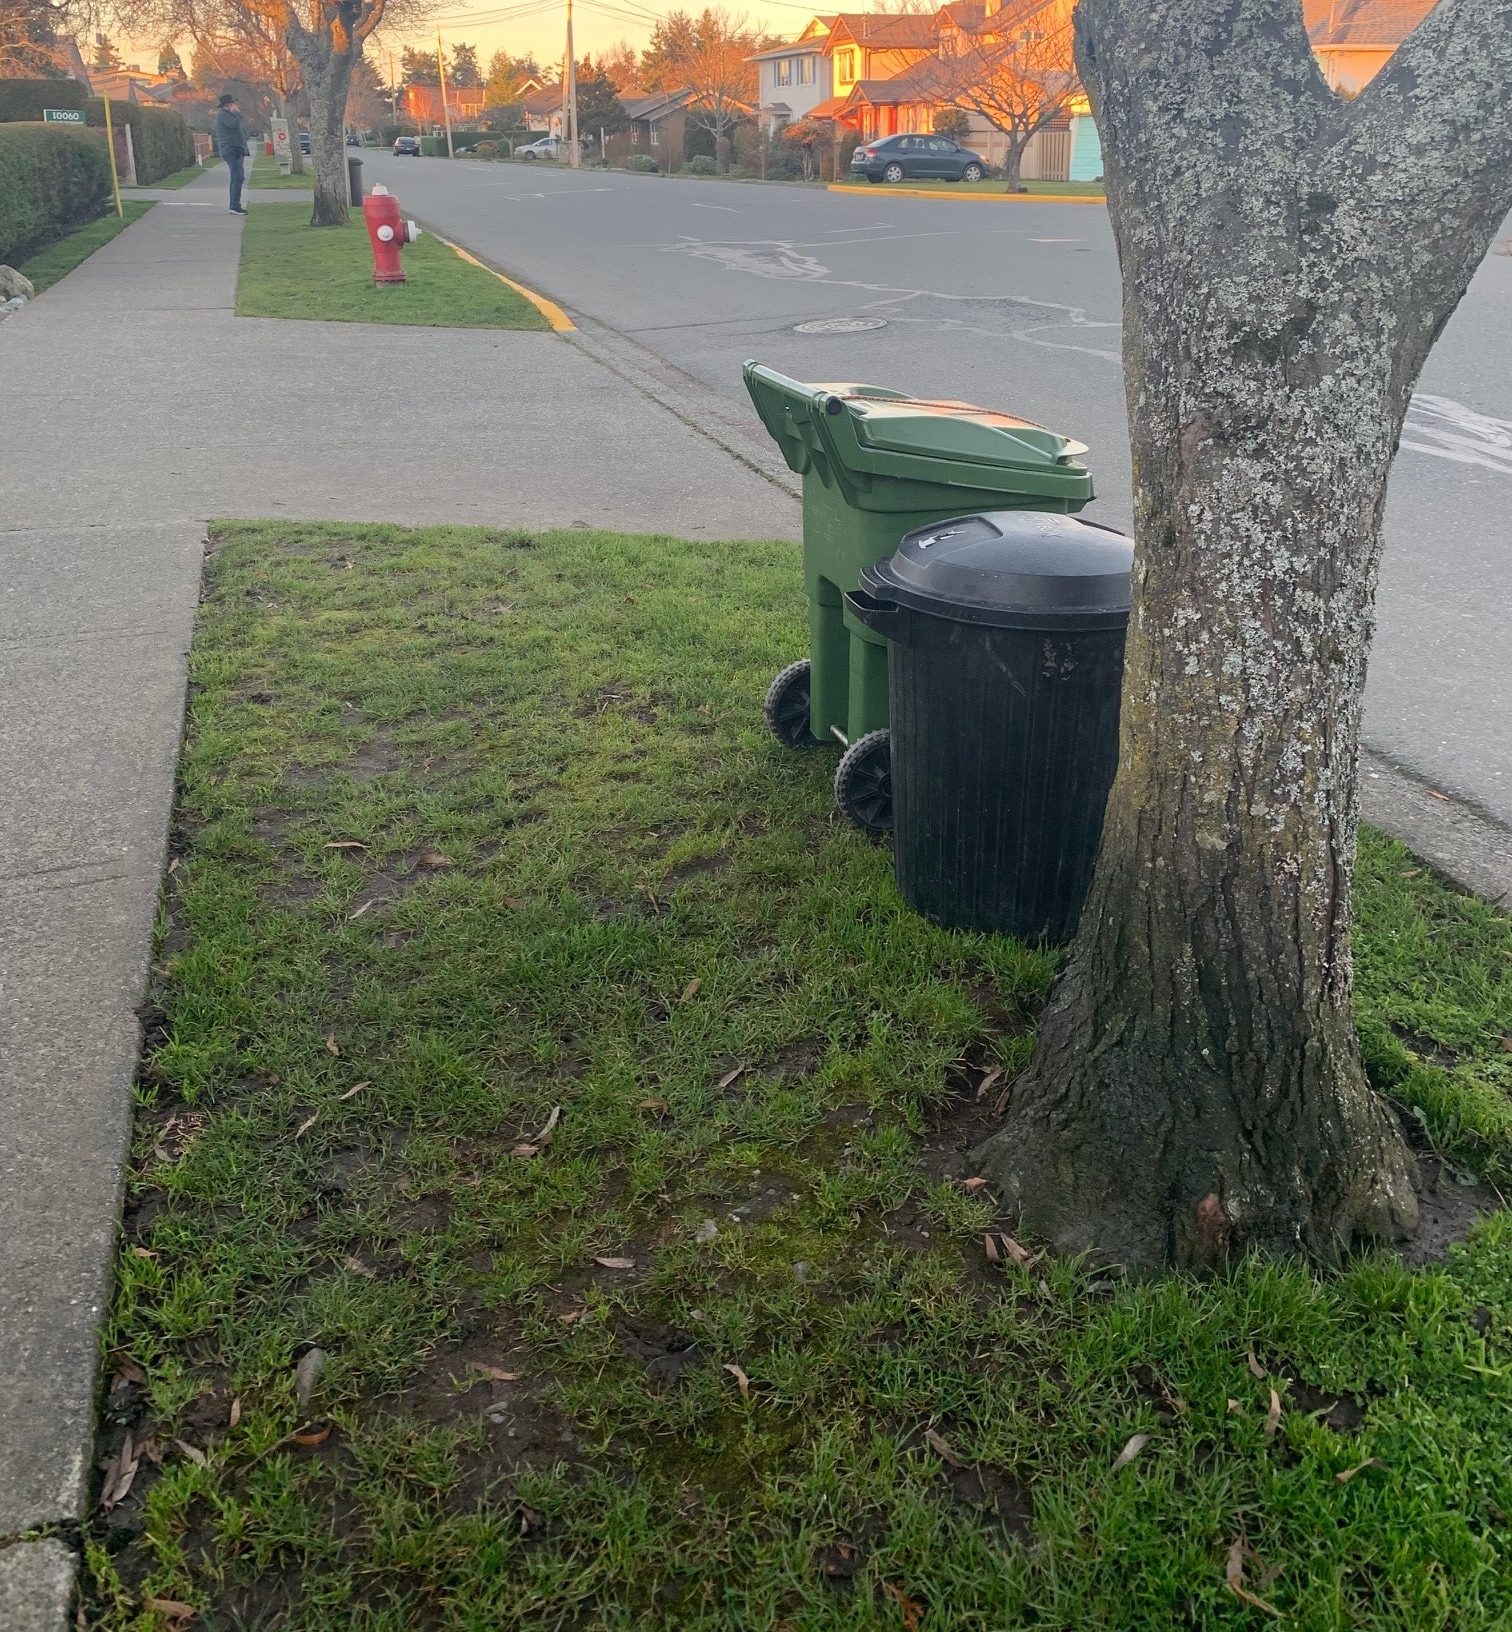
917	158
304	141
546	148
407	145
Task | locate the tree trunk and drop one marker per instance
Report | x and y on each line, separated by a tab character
328	100
326	55
1013	160
1287	260
286	111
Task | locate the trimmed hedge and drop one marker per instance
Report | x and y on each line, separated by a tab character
24	99
53	178
160	140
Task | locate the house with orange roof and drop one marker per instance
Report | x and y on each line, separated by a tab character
1353	39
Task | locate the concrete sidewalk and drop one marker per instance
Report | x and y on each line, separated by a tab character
138	406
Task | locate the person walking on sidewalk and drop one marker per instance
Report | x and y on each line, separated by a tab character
231	144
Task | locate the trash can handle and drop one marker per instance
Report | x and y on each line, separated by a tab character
887	618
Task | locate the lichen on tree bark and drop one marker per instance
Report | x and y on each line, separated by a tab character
1288	259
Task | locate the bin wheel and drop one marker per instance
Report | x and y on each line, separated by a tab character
786	708
863	783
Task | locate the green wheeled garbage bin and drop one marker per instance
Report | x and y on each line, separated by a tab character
877	464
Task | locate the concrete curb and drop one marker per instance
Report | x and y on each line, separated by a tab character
1468	847
36	1586
957	197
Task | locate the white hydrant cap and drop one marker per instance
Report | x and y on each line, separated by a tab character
386	233
414	231
380	191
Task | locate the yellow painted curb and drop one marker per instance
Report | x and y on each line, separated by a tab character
882	189
548	309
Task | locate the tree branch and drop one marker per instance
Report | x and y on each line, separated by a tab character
1431	138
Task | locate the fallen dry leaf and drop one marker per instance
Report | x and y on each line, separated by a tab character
367	906
989	1077
1000	1246
308	1123
978	1183
194	1453
691	989
1412	872
615	1263
572	1317
994	1256
653	1105
332	1046
1137	1443
153	1452
1507	1043
731	1076
120	1470
346	844
129	1371
233	1416
1359	1467
741	1378
172	1608
1273	1416
1255	1368
1433	793
513	902
539	1141
434	858
306	1375
911	1607
1233	1573
357	1267
941	1447
142	1252
315	1433
356	1088
495	1374
1175	1402
1234	1405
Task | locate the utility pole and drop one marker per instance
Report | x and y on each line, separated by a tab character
572	122
445	111
393	90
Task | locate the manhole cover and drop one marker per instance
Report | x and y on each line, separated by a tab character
840	325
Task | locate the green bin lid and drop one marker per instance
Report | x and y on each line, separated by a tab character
954	430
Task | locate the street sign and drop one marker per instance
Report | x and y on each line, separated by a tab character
62	116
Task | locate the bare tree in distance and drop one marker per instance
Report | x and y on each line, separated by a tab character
1014	70
30	32
249	45
1288	258
622	63
716	69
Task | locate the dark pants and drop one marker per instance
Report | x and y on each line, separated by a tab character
238	169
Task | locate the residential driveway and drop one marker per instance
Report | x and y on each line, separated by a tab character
1017	305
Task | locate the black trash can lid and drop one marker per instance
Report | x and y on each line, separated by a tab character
1016	569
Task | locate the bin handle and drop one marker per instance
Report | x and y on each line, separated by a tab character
887	618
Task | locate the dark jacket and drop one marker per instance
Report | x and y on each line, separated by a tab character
230	138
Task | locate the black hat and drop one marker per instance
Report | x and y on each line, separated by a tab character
227	100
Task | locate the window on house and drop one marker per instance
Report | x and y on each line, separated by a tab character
845	65
655	136
784	74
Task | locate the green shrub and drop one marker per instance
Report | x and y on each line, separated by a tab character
160	140
53	178
24	99
486	150
643	163
702	164
433	147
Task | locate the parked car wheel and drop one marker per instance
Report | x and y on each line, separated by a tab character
893	172
525	153
972	172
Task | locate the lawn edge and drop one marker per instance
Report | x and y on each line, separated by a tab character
554	315
144	205
975	198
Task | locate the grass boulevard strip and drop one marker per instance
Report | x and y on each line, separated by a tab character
550	1201
289	270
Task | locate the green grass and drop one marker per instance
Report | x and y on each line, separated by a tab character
265	173
182	178
59	259
291	269
474	825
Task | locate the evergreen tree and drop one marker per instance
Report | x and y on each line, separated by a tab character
463	70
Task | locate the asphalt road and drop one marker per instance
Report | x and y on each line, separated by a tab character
1016	305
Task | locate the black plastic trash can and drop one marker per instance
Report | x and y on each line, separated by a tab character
1005	658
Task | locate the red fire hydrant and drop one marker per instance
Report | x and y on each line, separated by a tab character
388	232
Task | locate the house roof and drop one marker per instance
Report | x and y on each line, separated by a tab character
909	86
655	107
828	109
813	47
546	100
1359	23
880	32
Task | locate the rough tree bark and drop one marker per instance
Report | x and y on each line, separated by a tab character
327	52
1288	259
